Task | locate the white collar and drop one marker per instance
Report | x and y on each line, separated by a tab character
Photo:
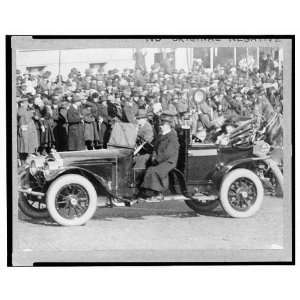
166	132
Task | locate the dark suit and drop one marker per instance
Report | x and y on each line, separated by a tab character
62	130
165	153
76	130
104	127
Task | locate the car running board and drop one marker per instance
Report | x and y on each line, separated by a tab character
198	197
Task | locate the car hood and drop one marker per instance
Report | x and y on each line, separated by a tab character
93	155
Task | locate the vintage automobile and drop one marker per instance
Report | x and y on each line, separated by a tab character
69	186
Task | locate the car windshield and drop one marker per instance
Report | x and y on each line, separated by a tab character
123	135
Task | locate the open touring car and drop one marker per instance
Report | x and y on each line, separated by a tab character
69	186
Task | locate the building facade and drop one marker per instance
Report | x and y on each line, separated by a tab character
62	61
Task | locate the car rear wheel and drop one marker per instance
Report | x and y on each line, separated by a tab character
200	207
71	200
241	193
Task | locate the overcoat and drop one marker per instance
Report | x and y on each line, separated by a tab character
76	129
90	125
27	133
62	130
47	138
165	153
55	117
104	127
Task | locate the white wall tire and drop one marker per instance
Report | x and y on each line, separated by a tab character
241	193
71	200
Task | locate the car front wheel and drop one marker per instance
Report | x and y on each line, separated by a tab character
71	200
31	205
241	193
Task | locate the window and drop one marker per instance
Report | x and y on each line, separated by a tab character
223	56
166	59
241	54
204	54
35	69
158	57
97	65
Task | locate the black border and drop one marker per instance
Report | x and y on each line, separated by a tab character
8	52
9	148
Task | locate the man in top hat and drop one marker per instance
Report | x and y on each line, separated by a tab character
164	159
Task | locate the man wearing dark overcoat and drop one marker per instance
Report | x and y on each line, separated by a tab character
104	122
164	159
55	118
76	127
90	127
62	124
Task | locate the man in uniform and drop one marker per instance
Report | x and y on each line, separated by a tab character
164	159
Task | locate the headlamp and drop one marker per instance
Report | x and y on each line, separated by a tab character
51	166
33	168
36	164
261	148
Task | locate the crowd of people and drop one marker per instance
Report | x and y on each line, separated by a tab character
78	112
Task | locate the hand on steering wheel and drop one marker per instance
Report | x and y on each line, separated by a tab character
138	148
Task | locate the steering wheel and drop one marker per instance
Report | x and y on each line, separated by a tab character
138	148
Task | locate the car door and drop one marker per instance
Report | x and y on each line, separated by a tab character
202	160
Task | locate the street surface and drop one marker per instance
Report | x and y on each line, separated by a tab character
157	226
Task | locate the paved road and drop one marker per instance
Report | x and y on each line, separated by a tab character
156	226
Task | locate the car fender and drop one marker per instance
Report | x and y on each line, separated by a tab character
101	185
223	169
273	165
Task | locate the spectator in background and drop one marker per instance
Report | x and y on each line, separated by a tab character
27	139
62	124
44	117
115	95
76	125
90	127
